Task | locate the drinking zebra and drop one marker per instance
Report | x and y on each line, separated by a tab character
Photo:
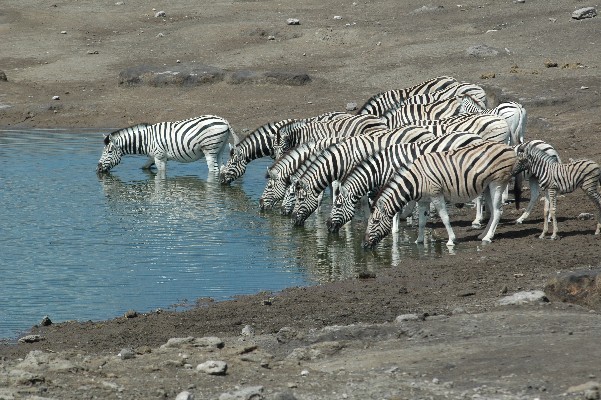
183	141
258	144
293	164
380	103
514	113
532	181
457	176
554	177
291	135
331	165
407	114
373	172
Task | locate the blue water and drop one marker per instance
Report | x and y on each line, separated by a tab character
78	246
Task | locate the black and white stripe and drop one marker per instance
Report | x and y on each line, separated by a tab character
488	126
407	114
514	113
183	141
555	177
380	103
291	135
374	171
456	176
332	164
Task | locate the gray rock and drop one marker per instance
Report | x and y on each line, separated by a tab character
31	339
176	75
185	395
293	21
590	385
582	287
46	321
586	12
532	296
126	354
351	106
160	14
482	51
315	352
3	77
20	377
248	331
190	341
406	317
38	360
427	9
247	393
212	367
287	334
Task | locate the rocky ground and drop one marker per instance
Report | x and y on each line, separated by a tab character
433	328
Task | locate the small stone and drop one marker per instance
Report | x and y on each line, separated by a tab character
584	216
248	331
351	106
46	321
592	394
3	77
126	354
586	12
533	296
337	17
185	395
519	1
56	98
92	51
304	372
212	367
63	32
270	37
160	14
31	339
293	21
247	393
159	35
130	314
488	75
119	3
551	64
406	317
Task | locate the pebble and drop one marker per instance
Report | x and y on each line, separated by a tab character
248	331
351	106
532	296
293	21
46	321
56	98
406	317
586	12
126	354
212	367
304	372
130	314
185	395
251	392
63	32
160	14
31	339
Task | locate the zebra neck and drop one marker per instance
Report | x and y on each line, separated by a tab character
134	141
257	145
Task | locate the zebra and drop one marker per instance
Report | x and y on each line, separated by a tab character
409	113
258	144
290	135
373	172
405	134
475	92
514	113
185	141
278	174
554	177
331	164
532	181
380	103
456	175
293	164
488	126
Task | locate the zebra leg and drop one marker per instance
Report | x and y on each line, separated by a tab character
161	166
423	212
149	163
552	210
545	216
595	197
534	192
494	199
319	201
212	163
396	221
441	207
477	222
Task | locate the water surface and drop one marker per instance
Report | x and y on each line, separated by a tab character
78	246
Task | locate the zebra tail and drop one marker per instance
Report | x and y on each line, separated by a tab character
237	139
517	190
518	135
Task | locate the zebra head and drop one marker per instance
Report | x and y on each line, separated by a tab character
306	202
111	156
274	191
378	226
281	144
288	201
235	167
343	209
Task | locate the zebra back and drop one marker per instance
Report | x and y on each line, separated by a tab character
343	126
410	113
514	113
475	93
488	126
380	103
130	140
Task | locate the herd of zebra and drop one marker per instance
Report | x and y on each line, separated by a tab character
430	144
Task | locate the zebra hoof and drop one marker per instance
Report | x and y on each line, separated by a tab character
519	221
476	226
450	243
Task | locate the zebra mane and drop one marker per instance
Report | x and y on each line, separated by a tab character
536	152
118	132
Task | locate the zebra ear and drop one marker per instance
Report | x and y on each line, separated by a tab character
107	140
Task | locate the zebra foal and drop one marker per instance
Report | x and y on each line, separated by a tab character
457	176
184	141
555	177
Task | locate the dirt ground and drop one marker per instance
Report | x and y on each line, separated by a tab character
341	340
